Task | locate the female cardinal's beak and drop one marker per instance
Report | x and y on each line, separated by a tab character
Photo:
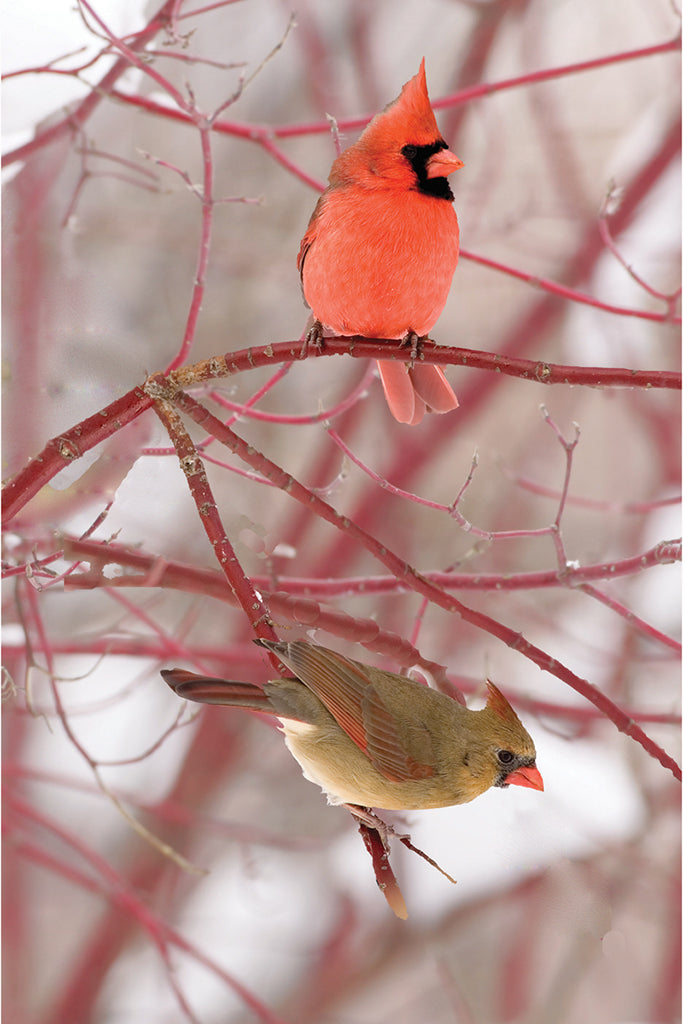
530	777
443	163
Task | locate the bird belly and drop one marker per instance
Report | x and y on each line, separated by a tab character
331	760
381	265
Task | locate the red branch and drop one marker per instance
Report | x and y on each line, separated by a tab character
207	509
160	572
534	370
571	294
535	77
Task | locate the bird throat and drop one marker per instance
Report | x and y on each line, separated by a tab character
417	157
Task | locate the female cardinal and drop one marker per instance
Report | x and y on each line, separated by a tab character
381	247
375	739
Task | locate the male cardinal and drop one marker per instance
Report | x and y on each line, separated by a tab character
376	739
381	247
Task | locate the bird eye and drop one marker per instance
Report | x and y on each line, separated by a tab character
409	152
505	756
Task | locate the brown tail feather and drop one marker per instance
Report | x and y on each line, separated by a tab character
207	690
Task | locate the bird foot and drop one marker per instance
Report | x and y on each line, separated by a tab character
414	340
366	816
313	337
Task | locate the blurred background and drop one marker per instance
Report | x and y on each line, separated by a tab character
567	903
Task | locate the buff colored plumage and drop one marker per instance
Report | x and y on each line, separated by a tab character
375	739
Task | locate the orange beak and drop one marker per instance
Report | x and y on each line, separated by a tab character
530	777
443	163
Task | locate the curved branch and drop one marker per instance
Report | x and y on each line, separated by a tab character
537	371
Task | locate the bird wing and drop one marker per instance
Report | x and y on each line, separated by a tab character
348	693
309	237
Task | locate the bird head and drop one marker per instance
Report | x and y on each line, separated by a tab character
514	749
501	751
401	146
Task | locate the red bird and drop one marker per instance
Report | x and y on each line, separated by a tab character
380	250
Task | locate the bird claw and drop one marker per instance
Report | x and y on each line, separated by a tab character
415	341
365	816
313	337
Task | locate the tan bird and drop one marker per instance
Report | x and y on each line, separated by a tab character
375	739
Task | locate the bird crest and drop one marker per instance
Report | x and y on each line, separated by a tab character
408	118
498	704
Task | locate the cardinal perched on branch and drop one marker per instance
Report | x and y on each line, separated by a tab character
381	247
371	738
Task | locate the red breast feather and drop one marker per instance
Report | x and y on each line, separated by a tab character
380	267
